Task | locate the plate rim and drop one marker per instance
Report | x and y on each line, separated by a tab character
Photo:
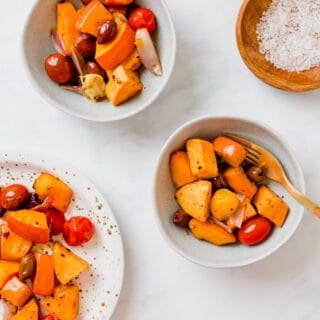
37	158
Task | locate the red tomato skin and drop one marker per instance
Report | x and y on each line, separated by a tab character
254	231
77	230
143	18
56	220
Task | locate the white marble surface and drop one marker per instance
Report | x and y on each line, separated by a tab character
209	78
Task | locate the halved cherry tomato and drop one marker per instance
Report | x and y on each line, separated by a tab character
55	220
143	18
77	230
49	317
254	231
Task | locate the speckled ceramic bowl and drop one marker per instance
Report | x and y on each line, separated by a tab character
37	46
205	253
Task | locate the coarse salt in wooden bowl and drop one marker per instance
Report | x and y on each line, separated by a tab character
249	16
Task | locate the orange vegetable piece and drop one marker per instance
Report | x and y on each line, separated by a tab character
29	224
230	151
202	158
180	169
16	292
118	2
65	302
49	186
13	246
132	62
29	312
271	206
239	182
112	53
66	19
7	270
43	283
91	16
211	232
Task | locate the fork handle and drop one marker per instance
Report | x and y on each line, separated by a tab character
306	202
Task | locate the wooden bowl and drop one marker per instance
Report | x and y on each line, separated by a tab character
248	18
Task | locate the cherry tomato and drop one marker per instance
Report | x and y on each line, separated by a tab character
77	230
143	18
254	231
49	317
13	196
55	220
59	68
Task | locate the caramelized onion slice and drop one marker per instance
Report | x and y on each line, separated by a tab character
147	52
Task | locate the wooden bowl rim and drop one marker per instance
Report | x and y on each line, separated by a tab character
267	78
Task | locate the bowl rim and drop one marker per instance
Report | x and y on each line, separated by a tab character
255	68
164	151
47	98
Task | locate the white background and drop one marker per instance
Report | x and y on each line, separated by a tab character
209	78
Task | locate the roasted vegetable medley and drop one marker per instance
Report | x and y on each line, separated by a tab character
33	264
101	47
222	198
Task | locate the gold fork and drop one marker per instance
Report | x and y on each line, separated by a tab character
260	157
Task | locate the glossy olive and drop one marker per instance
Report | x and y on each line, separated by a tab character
256	174
59	68
181	218
86	45
13	196
27	267
107	31
219	182
94	67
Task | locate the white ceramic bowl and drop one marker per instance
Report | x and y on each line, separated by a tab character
205	253
37	46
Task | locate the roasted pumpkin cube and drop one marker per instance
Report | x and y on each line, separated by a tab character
65	302
194	198
239	182
91	16
63	259
66	19
202	159
29	312
180	169
233	153
29	224
270	205
211	232
47	185
16	292
13	246
7	270
123	84
132	62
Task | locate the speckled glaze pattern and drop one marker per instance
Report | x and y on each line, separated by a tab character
100	286
234	255
37	31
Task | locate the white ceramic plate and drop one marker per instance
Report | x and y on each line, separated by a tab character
234	255
37	46
101	285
